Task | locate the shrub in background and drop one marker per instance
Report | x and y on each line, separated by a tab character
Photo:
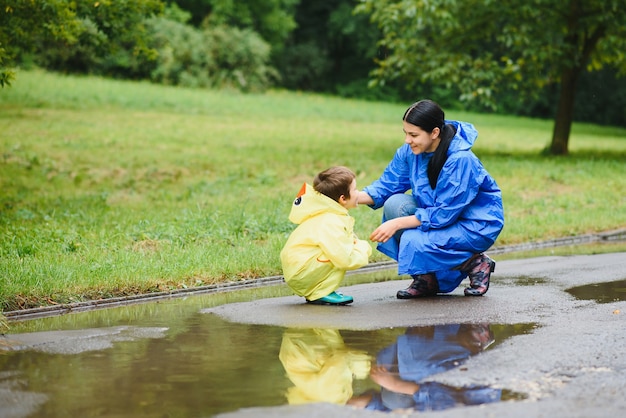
218	57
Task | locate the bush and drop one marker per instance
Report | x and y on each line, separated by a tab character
304	67
183	57
216	57
242	58
105	38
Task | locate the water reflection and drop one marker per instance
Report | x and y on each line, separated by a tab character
167	359
322	368
402	369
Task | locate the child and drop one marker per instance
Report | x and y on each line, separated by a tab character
323	246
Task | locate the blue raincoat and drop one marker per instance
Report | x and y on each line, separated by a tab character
461	217
415	357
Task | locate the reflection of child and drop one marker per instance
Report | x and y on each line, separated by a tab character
323	246
320	366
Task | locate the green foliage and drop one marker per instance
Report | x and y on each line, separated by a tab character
331	50
242	58
220	57
175	13
305	66
104	36
481	47
183	56
602	98
273	20
25	25
113	39
6	75
127	39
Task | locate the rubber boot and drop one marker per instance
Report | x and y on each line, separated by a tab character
335	298
423	285
479	269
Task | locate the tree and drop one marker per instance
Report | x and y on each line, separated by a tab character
482	47
62	33
25	24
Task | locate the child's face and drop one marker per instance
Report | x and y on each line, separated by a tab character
352	201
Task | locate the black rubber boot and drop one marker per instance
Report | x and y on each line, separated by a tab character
424	285
479	269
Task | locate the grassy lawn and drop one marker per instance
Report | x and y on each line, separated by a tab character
111	188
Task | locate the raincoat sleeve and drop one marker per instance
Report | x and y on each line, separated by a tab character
457	186
395	179
339	244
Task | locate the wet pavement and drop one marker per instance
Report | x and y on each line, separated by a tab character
573	364
560	349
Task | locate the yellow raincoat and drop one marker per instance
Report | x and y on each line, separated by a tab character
320	366
323	246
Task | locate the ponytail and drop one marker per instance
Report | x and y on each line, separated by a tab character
441	155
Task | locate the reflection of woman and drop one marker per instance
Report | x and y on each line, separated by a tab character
320	366
401	368
439	232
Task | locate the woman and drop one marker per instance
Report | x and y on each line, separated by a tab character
439	232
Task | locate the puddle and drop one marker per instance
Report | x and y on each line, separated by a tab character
167	359
601	292
326	365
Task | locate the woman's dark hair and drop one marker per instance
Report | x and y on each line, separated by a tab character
428	115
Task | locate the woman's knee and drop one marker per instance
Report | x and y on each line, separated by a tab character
399	205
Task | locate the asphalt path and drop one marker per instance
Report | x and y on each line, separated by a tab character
572	365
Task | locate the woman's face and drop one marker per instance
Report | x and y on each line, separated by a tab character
419	140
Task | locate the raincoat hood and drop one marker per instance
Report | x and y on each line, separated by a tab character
310	203
466	135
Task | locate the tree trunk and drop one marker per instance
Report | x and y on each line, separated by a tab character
564	113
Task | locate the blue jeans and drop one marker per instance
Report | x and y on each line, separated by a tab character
399	205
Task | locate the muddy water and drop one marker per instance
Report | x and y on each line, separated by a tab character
168	360
601	292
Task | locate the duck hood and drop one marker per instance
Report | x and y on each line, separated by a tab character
310	203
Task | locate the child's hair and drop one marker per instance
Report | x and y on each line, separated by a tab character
334	182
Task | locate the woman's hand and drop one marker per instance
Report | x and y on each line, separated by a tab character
392	381
390	227
364	199
382	376
384	231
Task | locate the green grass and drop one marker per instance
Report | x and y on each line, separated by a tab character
111	188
